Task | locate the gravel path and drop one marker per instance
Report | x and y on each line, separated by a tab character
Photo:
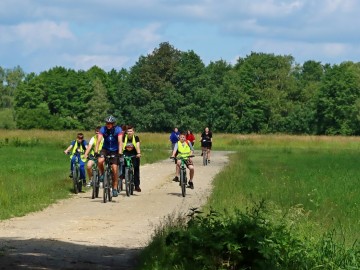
81	233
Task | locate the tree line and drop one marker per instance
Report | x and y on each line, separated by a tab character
260	93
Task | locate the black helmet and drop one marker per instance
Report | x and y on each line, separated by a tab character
110	119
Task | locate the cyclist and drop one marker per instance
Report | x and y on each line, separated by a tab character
91	150
184	149
112	145
78	146
131	147
206	142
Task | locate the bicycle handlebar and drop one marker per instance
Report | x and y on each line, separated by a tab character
174	158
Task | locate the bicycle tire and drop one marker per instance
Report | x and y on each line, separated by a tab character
183	181
93	179
132	185
106	187
110	186
97	182
205	159
75	179
127	182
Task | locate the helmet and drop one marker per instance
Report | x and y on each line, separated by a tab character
110	119
129	147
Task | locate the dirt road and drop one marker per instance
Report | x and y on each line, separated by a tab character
81	233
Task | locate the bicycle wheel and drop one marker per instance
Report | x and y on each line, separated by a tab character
106	187
94	184
132	185
205	157
183	181
127	182
75	179
97	184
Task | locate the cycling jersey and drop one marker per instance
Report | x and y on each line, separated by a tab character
111	142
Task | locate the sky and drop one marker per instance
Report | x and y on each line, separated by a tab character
38	35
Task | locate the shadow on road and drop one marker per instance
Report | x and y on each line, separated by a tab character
53	254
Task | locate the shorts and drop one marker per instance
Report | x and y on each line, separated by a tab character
207	145
113	160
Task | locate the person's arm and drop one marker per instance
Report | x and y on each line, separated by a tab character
89	147
175	150
99	138
138	152
120	141
66	151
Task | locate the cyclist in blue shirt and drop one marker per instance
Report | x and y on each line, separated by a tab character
112	145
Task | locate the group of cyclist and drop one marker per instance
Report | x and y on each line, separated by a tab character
116	141
109	140
183	146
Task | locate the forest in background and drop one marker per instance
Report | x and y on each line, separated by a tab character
261	93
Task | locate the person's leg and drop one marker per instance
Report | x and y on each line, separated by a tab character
136	162
192	171
89	168
115	175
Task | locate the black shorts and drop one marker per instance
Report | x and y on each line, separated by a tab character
113	160
206	145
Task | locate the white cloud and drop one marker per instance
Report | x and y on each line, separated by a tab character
106	62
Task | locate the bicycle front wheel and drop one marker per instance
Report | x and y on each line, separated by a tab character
106	187
95	184
183	182
127	182
132	185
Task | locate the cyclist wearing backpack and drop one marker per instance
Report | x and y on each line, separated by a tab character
78	146
183	148
112	145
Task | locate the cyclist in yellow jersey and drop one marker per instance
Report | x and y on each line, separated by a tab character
184	149
91	151
78	146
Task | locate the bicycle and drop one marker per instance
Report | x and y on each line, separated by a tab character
107	185
95	179
183	177
129	175
77	182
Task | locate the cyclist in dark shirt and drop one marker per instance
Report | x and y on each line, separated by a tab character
112	145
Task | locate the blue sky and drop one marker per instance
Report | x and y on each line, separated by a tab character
78	34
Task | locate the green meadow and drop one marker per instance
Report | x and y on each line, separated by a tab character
312	181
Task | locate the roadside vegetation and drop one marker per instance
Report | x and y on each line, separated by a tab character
283	202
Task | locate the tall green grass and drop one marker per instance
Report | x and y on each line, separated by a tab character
323	183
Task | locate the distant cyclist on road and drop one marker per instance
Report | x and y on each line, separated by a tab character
78	146
184	149
90	152
131	147
112	145
206	141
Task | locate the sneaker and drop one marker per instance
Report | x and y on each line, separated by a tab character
201	154
176	179
138	189
115	193
90	183
191	185
209	161
84	182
